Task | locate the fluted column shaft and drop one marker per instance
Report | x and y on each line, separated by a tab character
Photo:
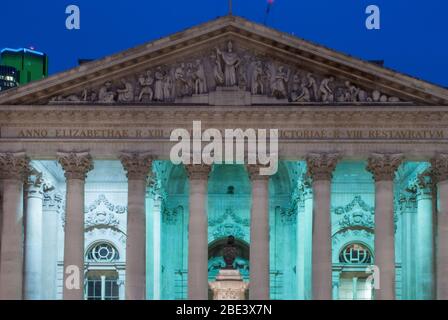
138	168
33	238
440	170
259	236
198	232
320	168
76	166
383	167
13	169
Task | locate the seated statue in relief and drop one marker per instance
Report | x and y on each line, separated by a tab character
104	95
127	93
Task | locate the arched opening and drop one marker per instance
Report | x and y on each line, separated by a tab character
354	281
102	278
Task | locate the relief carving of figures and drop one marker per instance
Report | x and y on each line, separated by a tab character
217	70
146	86
363	96
325	90
181	83
241	70
243	79
167	87
70	98
190	74
85	94
312	86
279	82
301	92
200	82
231	64
126	94
257	79
105	95
351	93
158	86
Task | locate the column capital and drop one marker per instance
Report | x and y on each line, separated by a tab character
384	165
14	165
320	166
198	171
439	166
35	184
254	172
76	165
137	165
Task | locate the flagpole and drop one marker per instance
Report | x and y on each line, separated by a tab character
230	7
268	9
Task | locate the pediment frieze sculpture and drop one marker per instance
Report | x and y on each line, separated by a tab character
220	72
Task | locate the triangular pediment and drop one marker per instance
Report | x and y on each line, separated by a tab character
228	61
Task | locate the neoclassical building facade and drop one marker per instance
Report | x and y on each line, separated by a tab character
92	207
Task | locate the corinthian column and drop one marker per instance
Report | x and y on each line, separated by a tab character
33	237
259	235
320	168
197	232
440	170
383	167
423	187
76	167
138	168
13	169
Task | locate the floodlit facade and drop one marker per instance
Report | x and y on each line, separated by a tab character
92	207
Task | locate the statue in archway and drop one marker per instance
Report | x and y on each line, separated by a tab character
230	252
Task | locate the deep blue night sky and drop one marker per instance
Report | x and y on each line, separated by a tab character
413	38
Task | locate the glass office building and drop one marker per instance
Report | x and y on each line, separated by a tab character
32	65
9	77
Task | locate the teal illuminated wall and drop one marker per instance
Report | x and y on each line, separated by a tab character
229	202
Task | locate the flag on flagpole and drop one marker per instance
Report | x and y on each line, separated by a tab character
270	3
